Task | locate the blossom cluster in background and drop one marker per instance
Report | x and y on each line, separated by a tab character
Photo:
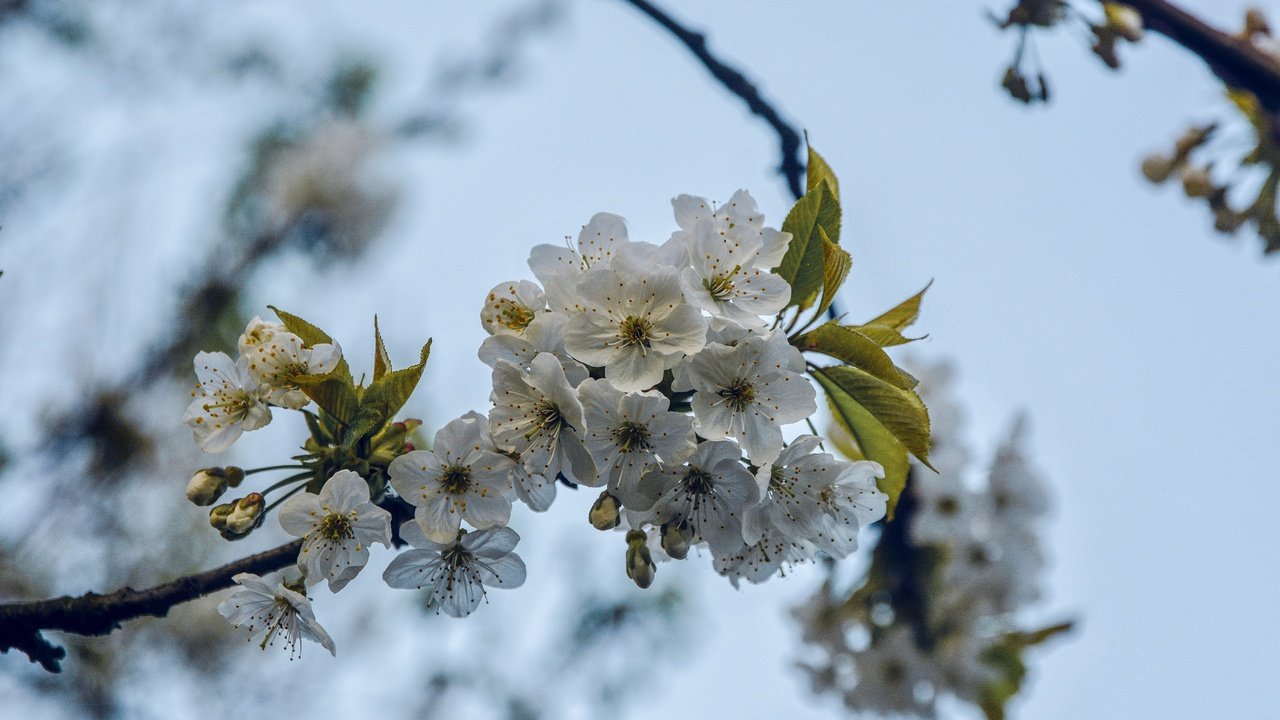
937	613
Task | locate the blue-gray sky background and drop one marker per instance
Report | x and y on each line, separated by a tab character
1142	344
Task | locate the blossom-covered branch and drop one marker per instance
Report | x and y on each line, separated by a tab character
21	624
737	83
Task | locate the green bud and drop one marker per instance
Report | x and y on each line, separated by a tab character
234	475
247	513
640	567
207	485
218	515
675	541
604	513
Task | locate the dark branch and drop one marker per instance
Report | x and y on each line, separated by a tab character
1236	61
735	82
21	624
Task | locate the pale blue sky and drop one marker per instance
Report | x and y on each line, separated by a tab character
1142	344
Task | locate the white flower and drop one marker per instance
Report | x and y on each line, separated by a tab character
537	415
749	392
339	525
257	333
739	217
635	324
281	360
228	402
271	613
706	496
457	571
462	478
945	509
511	306
763	558
724	279
533	489
1017	493
788	490
559	268
544	334
848	504
628	433
891	672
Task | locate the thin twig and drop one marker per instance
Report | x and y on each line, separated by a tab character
735	82
21	624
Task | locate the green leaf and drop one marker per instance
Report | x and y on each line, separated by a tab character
835	268
336	394
818	171
381	361
873	442
904	313
882	335
900	411
854	348
384	398
802	266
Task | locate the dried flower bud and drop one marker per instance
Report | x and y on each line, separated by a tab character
207	485
1196	182
640	567
248	511
1157	168
604	513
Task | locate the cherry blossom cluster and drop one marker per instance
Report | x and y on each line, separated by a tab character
937	615
658	374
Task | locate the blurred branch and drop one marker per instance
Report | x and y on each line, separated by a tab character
737	83
21	624
1231	58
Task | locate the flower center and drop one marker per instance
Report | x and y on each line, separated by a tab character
698	481
635	331
455	479
336	526
740	394
632	437
720	286
513	315
778	484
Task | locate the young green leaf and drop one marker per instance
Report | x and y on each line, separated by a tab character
384	398
332	392
882	335
381	361
852	347
904	313
312	335
818	171
900	411
873	442
835	268
818	211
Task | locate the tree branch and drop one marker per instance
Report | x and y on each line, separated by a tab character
735	82
1236	61
21	624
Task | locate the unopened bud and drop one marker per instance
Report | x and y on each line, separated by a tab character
675	541
246	514
640	567
604	513
1126	21
1255	23
1158	168
207	485
234	475
218	515
1196	182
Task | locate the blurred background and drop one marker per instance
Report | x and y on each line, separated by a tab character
169	169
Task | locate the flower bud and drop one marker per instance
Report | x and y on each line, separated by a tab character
1196	182
1157	168
604	513
247	512
218	515
234	475
675	541
207	485
640	567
